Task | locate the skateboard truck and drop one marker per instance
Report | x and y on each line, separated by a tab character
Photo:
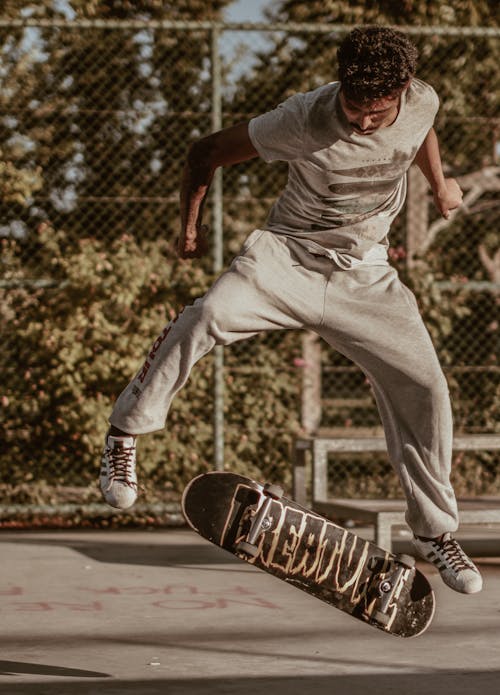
387	587
261	521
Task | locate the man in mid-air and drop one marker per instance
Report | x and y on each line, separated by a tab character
320	263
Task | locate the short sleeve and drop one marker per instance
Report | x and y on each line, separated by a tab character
424	102
279	134
433	102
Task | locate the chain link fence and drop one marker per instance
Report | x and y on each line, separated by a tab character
95	120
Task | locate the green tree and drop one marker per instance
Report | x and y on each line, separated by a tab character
106	113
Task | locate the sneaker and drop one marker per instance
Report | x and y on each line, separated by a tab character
456	569
118	478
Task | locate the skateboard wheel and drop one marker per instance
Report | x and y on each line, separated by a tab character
406	560
247	549
273	491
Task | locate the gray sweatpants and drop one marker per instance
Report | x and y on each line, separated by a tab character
365	313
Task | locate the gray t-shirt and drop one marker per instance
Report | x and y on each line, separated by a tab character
344	189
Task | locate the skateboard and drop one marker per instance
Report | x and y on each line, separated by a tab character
259	525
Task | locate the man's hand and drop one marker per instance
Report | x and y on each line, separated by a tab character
448	197
447	193
193	243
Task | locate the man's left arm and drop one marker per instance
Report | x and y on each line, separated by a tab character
446	191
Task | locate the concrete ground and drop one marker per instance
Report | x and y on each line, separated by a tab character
142	613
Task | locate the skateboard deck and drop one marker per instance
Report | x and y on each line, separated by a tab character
260	526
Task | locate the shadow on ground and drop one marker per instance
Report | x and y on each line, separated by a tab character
12	668
436	683
100	549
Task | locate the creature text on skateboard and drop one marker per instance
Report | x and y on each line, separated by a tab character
257	524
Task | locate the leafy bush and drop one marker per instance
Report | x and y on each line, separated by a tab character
76	341
74	344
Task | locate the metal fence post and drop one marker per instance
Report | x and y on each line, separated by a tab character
218	421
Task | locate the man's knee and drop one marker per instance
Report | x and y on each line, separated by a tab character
433	393
209	315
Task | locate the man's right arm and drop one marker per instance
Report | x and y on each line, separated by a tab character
225	147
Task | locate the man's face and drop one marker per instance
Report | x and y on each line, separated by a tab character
367	117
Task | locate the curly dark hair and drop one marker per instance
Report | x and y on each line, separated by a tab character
375	62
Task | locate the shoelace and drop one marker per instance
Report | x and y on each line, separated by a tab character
454	555
120	465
